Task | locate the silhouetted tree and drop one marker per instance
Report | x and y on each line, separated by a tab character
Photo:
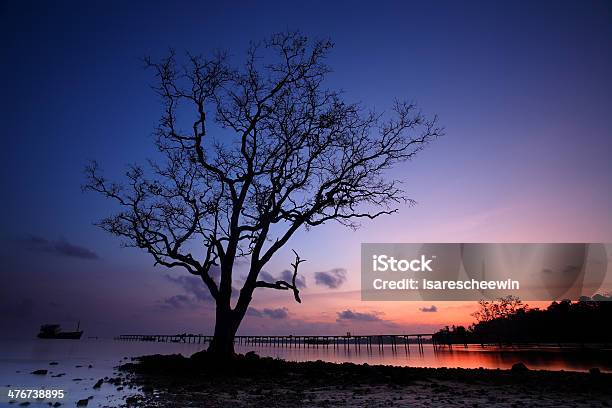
509	320
498	308
286	153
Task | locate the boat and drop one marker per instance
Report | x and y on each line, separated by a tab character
54	331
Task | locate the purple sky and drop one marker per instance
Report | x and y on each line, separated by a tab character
523	89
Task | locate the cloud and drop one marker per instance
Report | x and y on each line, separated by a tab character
362	317
266	276
251	311
332	279
60	247
300	281
285	275
430	309
195	290
179	302
279	313
193	286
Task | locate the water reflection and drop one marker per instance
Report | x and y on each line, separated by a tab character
544	358
83	362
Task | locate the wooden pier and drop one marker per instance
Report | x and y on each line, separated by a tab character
289	341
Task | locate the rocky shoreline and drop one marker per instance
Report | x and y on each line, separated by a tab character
198	381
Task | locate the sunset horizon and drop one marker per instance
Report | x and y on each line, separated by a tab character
306	194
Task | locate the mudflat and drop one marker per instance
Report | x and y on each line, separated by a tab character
248	380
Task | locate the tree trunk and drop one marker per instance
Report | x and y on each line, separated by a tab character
227	322
222	344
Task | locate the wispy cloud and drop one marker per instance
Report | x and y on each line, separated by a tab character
179	302
60	247
430	309
333	279
277	314
360	316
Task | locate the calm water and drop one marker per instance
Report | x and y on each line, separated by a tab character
19	359
551	358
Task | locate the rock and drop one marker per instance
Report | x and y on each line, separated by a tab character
59	375
77	379
82	403
251	355
40	372
57	404
24	404
53	363
519	368
115	380
98	384
595	371
90	366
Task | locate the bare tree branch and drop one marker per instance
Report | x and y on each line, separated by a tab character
248	156
284	285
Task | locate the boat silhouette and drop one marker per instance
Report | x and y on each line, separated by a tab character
54	331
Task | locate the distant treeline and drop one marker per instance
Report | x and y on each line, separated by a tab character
508	320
